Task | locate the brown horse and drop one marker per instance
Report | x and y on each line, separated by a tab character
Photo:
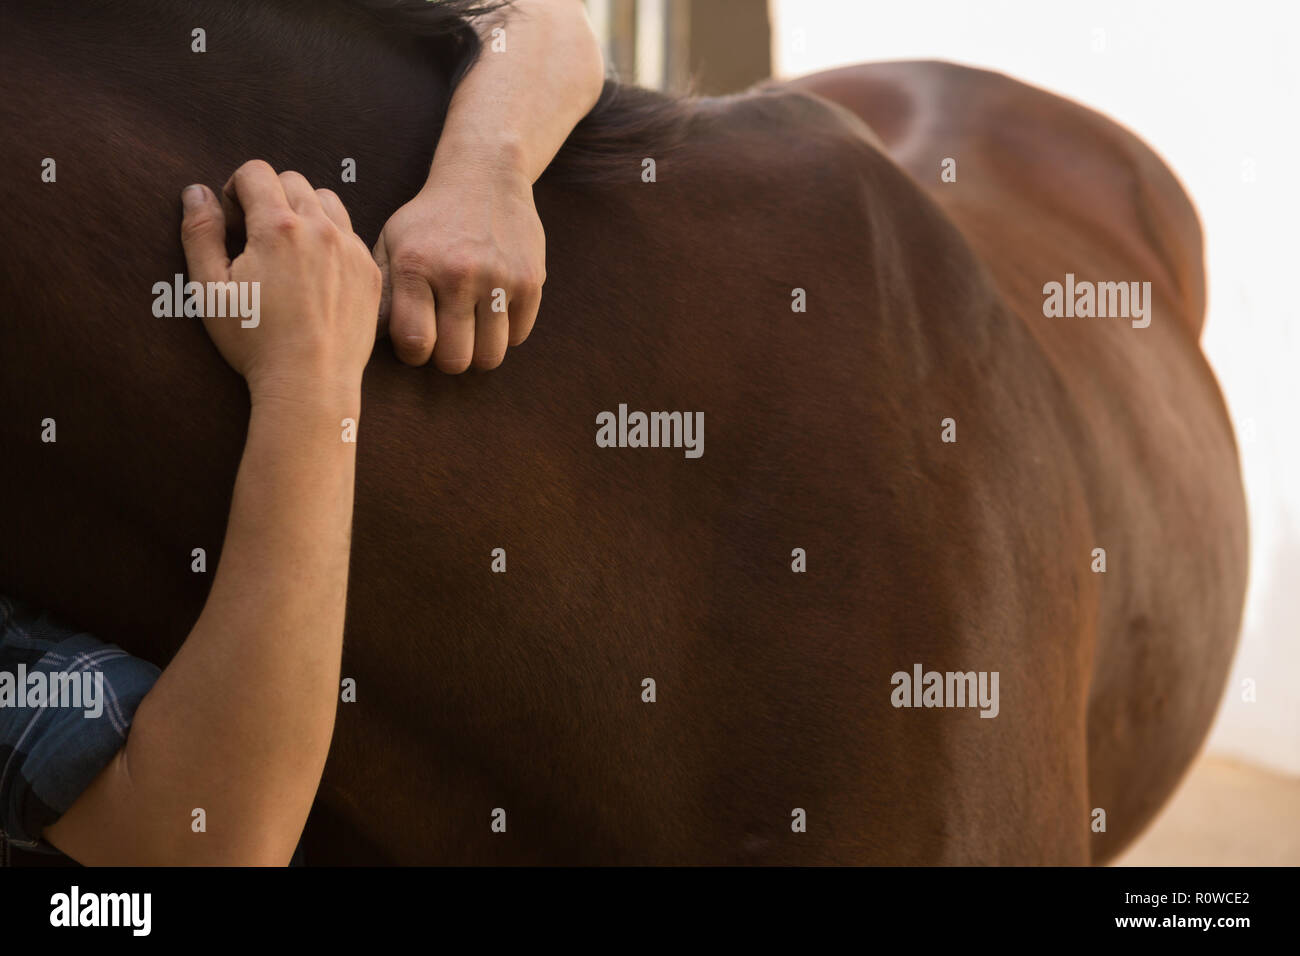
773	734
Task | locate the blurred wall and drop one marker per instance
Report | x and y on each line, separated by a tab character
704	46
730	45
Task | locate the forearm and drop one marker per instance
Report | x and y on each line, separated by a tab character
515	108
240	722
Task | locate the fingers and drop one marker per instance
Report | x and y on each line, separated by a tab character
491	336
334	208
302	197
456	320
337	213
458	331
523	313
456	327
412	323
258	193
203	234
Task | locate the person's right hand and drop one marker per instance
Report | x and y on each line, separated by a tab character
319	285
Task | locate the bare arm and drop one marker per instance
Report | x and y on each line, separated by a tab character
239	724
473	228
531	84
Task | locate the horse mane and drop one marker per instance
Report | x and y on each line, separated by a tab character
429	17
447	20
626	125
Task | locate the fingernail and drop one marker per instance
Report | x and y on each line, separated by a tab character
192	196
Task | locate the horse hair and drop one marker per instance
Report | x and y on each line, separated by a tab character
626	123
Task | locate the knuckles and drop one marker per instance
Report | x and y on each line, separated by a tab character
531	281
466	270
282	224
461	271
324	233
408	266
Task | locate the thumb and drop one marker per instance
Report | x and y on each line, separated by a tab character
203	234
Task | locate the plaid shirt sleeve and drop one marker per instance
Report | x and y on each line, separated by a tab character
66	702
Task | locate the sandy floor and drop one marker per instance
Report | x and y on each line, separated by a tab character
1225	814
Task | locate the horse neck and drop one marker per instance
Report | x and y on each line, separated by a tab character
130	114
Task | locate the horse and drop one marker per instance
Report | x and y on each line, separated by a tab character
573	651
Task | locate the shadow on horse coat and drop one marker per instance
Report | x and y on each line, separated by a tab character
522	690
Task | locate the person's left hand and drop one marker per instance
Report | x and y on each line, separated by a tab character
463	265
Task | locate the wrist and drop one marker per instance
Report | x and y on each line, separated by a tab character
334	392
499	159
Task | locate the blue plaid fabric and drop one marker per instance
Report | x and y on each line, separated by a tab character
50	754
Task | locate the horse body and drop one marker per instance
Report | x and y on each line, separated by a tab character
1045	188
522	691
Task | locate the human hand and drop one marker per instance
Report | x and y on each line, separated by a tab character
463	265
318	285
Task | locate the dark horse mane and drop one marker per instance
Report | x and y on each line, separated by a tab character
626	122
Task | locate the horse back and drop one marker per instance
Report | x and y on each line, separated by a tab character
1045	187
524	687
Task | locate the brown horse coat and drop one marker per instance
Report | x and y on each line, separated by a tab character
523	691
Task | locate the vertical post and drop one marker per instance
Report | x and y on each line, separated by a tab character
699	46
730	45
620	51
677	47
598	14
651	23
